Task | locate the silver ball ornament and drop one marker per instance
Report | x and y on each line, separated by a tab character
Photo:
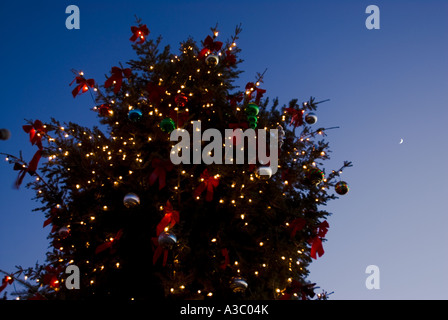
310	118
281	136
263	172
131	200
212	60
63	232
167	240
238	284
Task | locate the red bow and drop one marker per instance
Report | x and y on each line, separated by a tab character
250	87
296	225
316	247
31	169
104	110
23	170
109	244
237	134
285	174
209	182
170	218
155	93
161	167
226	261
51	276
230	58
36	130
117	78
32	166
316	242
37	296
83	85
139	32
322	228
296	287
53	214
209	46
234	99
6	280
297	116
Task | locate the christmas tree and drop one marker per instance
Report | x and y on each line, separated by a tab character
139	225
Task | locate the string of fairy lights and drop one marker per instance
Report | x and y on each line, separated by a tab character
99	149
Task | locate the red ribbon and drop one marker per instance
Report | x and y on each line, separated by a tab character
53	214
297	287
6	280
237	134
250	88
104	110
230	58
139	33
51	276
37	296
36	130
158	252
322	228
297	116
109	244
170	218
285	174
234	99
83	85
316	242
21	175
32	166
226	261
296	225
155	93
209	46
208	183
161	167
31	169
180	117
116	78
316	247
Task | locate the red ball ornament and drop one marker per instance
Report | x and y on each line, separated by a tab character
104	110
181	100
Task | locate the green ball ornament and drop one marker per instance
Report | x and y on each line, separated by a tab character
341	187
167	125
252	109
253	125
252	119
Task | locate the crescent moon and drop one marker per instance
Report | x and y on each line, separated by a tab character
401	141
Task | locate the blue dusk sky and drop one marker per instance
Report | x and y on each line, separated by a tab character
384	85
